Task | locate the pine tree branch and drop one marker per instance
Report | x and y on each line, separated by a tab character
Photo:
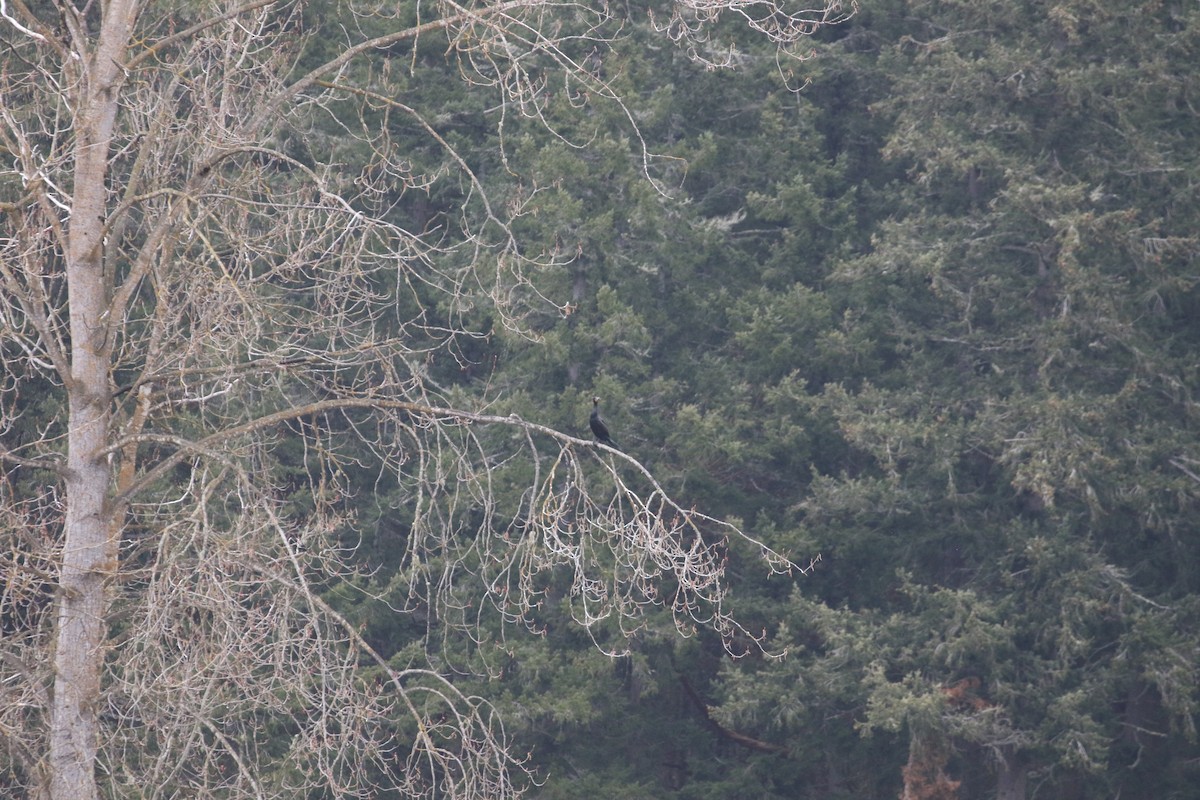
738	738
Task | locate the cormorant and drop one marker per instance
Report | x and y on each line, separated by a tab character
598	427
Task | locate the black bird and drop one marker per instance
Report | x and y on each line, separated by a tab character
598	427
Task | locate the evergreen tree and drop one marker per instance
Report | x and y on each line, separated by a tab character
1012	516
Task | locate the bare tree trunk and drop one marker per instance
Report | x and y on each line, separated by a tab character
89	541
88	553
1010	784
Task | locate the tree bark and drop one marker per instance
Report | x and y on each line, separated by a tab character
90	532
1010	784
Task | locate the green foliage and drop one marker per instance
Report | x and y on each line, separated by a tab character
1005	499
932	319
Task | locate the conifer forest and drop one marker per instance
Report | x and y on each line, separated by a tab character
574	399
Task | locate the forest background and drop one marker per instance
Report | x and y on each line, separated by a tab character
919	308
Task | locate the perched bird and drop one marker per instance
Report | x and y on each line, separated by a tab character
599	429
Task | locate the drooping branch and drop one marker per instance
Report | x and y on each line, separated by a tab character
209	445
727	733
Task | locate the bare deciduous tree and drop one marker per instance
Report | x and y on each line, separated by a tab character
181	292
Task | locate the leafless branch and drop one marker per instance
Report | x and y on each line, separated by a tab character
180	292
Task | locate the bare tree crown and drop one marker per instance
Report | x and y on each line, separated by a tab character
194	267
